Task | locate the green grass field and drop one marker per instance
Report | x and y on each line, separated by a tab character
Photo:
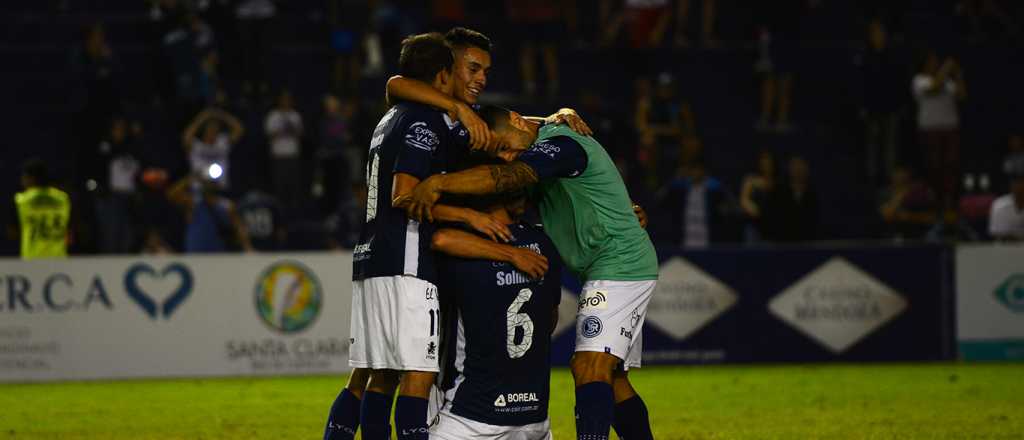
932	401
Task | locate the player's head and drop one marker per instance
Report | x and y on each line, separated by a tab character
427	57
472	52
513	133
34	173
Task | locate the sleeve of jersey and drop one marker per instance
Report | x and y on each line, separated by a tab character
419	140
560	156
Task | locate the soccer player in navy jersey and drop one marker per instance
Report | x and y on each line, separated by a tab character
496	376
395	309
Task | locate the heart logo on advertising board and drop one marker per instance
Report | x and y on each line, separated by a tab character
172	298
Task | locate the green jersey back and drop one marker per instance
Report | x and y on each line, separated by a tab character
586	209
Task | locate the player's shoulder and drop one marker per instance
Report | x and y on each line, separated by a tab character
418	111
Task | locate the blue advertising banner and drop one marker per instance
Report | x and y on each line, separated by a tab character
794	305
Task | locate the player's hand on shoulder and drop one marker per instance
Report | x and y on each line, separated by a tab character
529	262
488	225
569	117
479	134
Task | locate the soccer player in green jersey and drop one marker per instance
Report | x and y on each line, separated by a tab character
586	210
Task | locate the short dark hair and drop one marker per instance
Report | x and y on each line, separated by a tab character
424	55
497	118
460	38
36	169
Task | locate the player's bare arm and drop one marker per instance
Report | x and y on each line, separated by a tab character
408	89
486	224
465	245
480	180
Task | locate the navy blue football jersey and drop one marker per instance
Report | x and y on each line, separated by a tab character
420	141
498	345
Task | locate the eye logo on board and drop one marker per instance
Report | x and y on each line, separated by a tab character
288	297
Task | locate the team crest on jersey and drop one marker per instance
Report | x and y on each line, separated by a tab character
431	350
422	137
593	299
591	327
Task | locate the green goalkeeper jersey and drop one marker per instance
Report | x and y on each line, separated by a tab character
586	209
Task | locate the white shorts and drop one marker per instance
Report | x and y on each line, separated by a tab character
395	324
610	318
453	427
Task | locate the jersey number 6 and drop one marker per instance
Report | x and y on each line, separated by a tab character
516	320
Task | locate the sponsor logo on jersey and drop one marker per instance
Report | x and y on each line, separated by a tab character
593	299
288	297
431	350
634	317
591	327
504	400
511	278
547	148
627	333
362	251
422	137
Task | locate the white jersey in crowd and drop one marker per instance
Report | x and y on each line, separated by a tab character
202	155
936	110
284	129
1006	218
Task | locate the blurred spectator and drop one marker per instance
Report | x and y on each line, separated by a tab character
883	100
700	207
937	89
907	206
211	219
644	173
791	213
347	19
96	98
263	219
778	37
189	48
339	156
43	214
646	22
209	154
663	113
114	181
1006	222
757	187
284	131
707	27
951	229
154	244
254	19
542	28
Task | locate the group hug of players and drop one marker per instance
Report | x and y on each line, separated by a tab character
447	278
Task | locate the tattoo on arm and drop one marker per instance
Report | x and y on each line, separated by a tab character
512	176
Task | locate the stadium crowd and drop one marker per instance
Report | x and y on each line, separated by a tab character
214	125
